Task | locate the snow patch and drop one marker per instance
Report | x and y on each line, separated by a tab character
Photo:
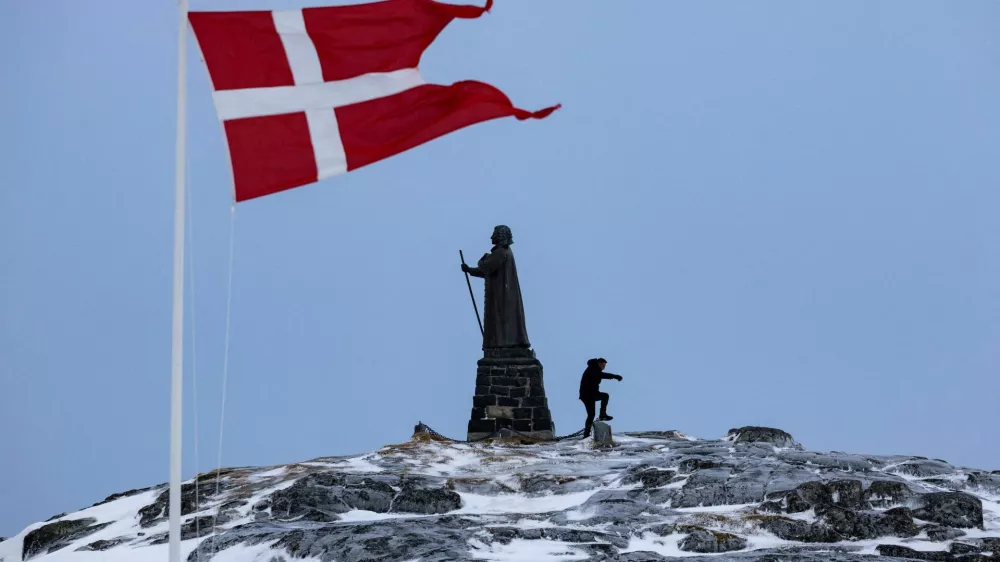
520	503
267	475
520	550
716	508
358	464
457	461
664	546
580	514
121	513
256	553
360	515
156	553
765	541
677	485
533	524
869	547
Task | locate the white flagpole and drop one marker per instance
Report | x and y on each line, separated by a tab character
177	350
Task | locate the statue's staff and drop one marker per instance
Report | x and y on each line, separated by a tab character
469	283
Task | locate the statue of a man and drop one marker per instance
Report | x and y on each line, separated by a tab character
503	311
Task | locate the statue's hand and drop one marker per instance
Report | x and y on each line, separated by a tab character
465	268
619	378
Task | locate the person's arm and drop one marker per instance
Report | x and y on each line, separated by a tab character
487	264
609	376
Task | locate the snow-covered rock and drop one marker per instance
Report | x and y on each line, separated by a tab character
755	494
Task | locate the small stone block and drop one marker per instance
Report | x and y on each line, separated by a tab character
537	391
501	364
505	401
541	414
482	390
501	422
543	425
484	401
508	352
522	413
499	412
503	381
478	413
500	390
522	425
535	402
482	380
602	435
482	426
518	392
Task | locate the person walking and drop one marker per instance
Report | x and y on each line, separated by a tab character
590	391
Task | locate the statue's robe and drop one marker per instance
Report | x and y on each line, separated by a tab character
503	310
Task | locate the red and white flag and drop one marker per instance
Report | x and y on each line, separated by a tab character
307	94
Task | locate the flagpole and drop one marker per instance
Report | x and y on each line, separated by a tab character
177	348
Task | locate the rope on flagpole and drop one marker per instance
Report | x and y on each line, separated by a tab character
225	361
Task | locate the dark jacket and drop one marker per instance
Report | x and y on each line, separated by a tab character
590	382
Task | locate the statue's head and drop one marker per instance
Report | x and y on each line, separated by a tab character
502	236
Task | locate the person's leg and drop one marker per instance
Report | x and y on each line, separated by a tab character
589	404
604	397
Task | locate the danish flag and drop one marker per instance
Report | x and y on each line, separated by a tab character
307	94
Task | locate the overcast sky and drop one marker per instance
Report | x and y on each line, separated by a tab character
776	213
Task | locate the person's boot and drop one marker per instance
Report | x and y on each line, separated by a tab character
605	417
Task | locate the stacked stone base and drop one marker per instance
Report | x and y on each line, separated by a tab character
510	394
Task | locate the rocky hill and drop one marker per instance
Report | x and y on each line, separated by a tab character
754	495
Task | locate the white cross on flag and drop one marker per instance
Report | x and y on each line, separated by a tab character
308	94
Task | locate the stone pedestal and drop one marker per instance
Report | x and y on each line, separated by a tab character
510	393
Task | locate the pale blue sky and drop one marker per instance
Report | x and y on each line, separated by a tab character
776	212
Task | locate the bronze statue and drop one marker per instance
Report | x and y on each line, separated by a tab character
503	310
